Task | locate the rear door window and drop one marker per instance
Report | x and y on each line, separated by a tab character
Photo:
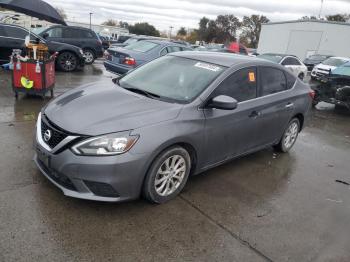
241	85
71	33
55	32
86	34
272	80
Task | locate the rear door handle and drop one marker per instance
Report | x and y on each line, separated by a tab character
254	114
289	105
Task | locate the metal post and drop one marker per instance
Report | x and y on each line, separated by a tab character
319	15
90	19
171	28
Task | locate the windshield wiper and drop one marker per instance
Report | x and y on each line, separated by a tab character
142	92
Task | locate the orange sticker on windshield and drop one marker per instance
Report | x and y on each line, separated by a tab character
251	77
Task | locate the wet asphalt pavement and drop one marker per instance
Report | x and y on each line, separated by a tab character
263	207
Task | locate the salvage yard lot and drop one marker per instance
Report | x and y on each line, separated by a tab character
263	207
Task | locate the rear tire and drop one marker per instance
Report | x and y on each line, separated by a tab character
167	175
89	56
67	62
289	137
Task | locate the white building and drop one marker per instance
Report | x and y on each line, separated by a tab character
305	37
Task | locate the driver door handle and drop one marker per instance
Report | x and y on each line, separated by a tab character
290	105
254	114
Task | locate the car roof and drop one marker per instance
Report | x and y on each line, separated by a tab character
71	26
222	59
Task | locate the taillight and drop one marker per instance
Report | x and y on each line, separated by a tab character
129	61
312	94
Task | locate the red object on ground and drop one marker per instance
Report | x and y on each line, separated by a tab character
42	82
238	48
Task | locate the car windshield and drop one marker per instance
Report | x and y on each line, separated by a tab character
272	58
172	78
141	46
334	61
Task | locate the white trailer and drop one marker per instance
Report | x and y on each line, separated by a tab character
303	38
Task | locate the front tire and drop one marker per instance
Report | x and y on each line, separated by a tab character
301	76
289	137
167	175
67	62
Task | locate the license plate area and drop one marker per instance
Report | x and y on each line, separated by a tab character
115	59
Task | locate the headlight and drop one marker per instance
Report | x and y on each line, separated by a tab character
81	51
107	145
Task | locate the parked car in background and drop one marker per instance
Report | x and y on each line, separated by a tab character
69	57
82	37
334	88
213	48
105	42
313	60
122	38
173	117
289	61
120	60
131	40
327	66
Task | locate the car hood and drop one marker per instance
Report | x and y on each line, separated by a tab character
102	108
325	67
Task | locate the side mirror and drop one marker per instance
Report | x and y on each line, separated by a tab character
116	80
45	35
223	102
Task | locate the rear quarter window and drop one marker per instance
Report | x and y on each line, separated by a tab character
291	79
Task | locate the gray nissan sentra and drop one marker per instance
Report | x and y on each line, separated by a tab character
179	115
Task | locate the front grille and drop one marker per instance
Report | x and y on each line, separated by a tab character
58	178
101	189
57	136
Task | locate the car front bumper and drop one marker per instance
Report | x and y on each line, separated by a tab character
109	178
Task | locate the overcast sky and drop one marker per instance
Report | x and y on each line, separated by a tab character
165	13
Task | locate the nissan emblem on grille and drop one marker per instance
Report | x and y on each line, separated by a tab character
47	135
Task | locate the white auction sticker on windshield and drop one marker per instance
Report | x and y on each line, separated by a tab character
208	66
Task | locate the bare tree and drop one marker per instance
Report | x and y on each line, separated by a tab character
251	28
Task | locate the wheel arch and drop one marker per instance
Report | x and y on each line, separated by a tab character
301	119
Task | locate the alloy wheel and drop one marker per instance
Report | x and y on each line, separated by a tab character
170	175
89	57
67	61
291	135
